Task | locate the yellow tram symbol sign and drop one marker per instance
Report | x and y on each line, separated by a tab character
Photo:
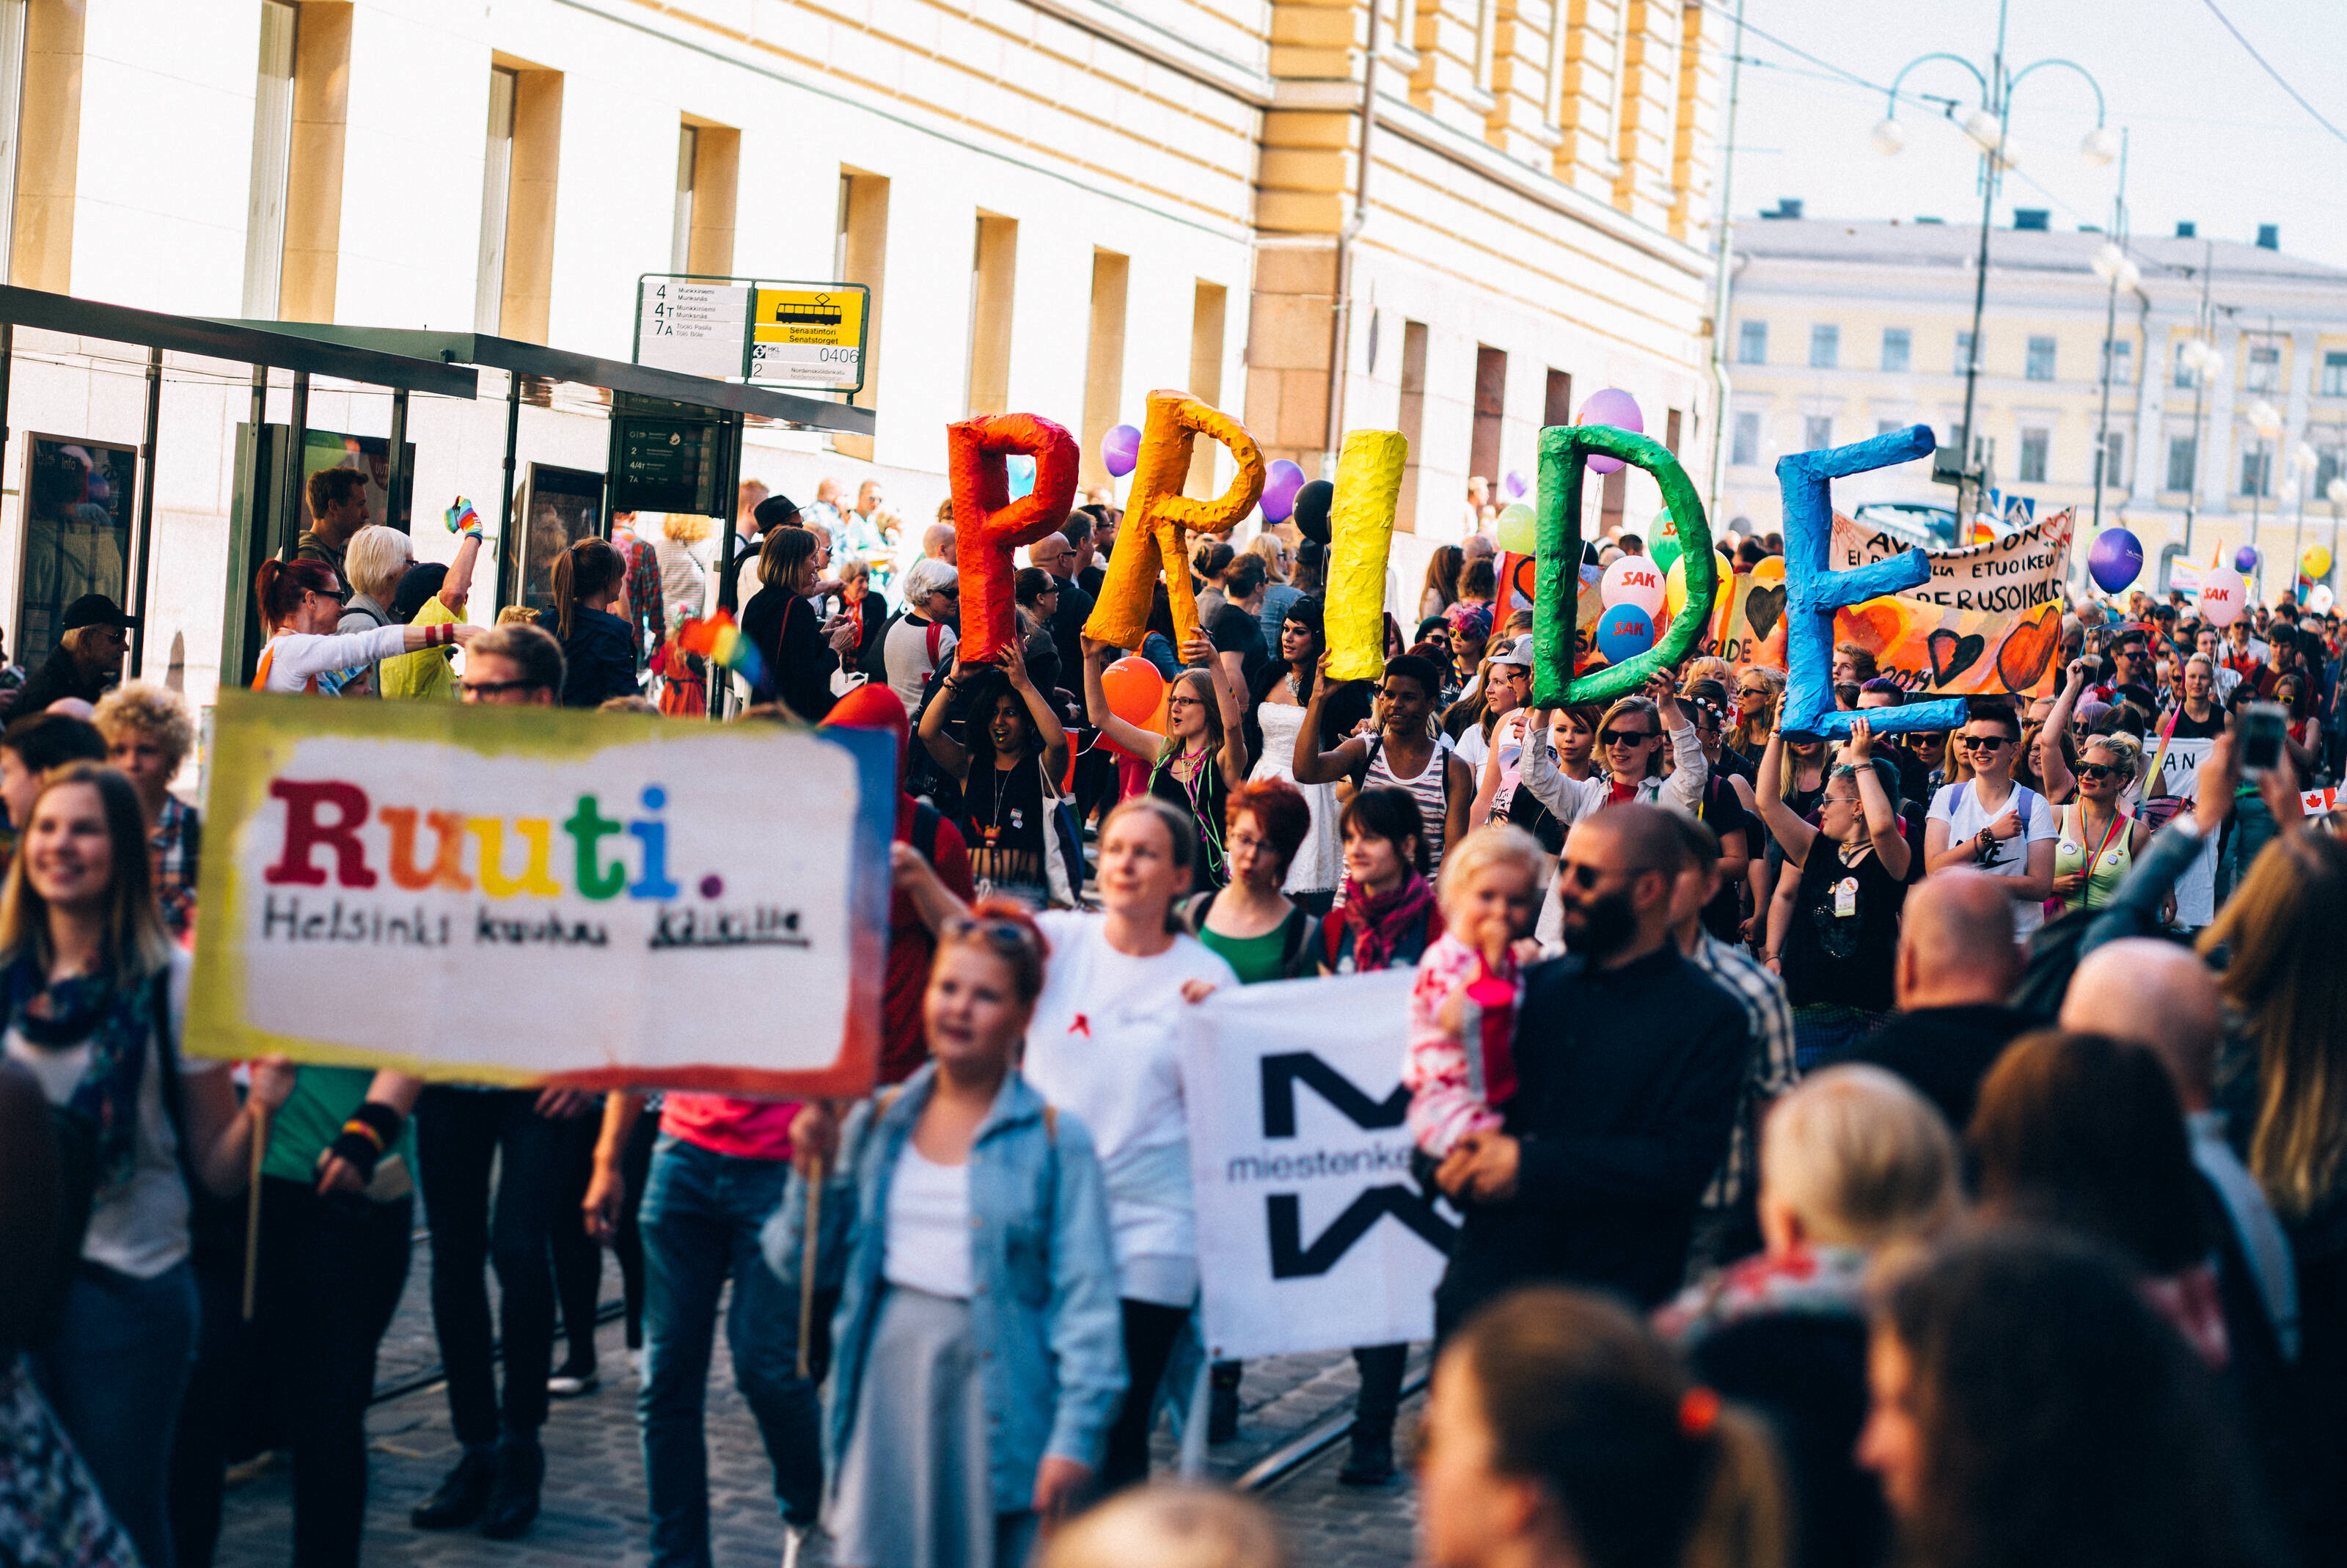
809	335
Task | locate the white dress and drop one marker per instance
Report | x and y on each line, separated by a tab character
1320	863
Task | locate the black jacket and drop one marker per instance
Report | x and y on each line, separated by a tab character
58	676
799	662
1626	1088
598	659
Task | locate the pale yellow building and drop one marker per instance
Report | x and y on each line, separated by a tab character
1058	205
1840	330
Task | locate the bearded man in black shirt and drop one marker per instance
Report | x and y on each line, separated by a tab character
1628	1062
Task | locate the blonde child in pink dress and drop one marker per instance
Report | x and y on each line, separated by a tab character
1460	1066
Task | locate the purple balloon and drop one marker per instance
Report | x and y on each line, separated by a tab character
2245	560
1515	482
1121	450
2116	560
1280	483
1615	407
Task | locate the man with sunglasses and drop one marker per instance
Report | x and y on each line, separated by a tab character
1629	1063
1991	823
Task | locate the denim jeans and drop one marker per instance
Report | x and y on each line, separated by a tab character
701	1217
115	1378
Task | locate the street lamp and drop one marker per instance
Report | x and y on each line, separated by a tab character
2265	422
1987	126
2113	265
2303	464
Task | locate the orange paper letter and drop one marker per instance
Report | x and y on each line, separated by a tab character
1159	519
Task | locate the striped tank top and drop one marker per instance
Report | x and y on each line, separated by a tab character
1427	789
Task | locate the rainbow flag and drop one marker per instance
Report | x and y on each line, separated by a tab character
717	637
461	516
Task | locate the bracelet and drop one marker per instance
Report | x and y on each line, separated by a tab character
364	1138
441	634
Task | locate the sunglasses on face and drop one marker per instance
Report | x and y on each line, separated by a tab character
1625	737
2095	771
1927	739
1982	743
1582	875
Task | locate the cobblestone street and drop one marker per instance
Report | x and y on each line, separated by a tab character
594	1504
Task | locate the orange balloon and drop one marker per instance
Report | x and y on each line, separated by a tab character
1770	568
1136	694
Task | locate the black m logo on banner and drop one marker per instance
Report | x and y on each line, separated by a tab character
1291	1257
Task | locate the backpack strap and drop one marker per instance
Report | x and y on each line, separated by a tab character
1051	1123
1360	775
260	672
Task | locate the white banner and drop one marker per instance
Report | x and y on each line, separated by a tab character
1311	1234
2195	890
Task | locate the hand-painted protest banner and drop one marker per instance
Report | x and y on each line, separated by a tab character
1301	1161
2178	773
1987	622
527	896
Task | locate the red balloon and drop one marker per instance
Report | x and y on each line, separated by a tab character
1136	694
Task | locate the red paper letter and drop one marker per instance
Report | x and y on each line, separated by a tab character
989	525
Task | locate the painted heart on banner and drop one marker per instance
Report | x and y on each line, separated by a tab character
1952	655
2022	658
1876	625
1763	608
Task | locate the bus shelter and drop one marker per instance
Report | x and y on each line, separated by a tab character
675	445
87	518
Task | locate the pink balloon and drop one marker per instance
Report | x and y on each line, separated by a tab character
1617	408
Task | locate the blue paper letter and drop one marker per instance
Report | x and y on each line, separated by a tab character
1814	590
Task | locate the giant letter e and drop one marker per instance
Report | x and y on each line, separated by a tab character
1814	590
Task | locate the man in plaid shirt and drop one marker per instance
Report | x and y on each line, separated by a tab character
1728	1229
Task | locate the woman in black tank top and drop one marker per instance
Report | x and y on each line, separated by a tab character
1009	749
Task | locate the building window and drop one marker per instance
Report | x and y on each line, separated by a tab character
2114	454
1898	348
2032	456
272	145
1556	399
1210	305
2326	468
1817	432
2257	471
2119	361
1752	343
1104	359
496	187
1889	427
2334	374
1825	347
679	230
2186	378
1745	451
1411	419
2181	462
1964	353
2041	359
2263	372
11	102
1490	405
993	270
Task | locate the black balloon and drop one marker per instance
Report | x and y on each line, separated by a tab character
1311	513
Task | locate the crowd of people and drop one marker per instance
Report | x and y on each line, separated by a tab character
1866	1149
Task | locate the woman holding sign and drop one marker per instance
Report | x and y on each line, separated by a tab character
979	1360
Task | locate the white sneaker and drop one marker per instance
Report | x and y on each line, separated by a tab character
636	1363
795	1542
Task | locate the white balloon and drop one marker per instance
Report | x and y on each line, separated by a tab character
2223	596
2320	601
1633	580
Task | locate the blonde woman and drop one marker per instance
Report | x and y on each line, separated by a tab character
684	568
148	735
375	559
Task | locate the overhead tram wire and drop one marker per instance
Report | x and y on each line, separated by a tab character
2267	65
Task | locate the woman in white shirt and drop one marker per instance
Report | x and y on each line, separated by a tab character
301	603
95	991
1101	1045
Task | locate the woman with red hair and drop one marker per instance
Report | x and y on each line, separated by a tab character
300	604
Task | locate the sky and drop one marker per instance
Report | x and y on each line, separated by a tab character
2212	138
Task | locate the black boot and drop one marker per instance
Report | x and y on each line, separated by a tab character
459	1499
513	1500
1371	1463
1223	1401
